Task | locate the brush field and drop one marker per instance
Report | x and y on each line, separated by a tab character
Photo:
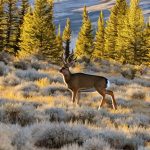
36	111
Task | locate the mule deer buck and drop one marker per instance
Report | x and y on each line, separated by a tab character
80	82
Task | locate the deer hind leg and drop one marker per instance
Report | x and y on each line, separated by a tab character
114	104
78	98
102	93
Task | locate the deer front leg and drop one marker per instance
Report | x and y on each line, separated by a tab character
74	93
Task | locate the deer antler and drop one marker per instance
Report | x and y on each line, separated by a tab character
71	56
62	56
69	61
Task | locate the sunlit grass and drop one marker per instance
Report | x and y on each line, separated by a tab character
43	82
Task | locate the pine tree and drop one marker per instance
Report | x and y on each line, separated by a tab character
23	8
42	32
84	44
99	39
10	24
59	40
147	38
1	25
44	29
67	38
132	39
114	24
26	41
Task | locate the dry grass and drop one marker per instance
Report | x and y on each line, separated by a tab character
36	111
43	82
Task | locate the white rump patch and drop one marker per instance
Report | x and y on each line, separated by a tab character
108	84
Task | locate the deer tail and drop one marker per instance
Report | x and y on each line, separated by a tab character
107	84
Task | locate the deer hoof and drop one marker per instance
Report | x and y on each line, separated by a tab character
114	107
77	105
99	108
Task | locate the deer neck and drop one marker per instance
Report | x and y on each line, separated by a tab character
67	77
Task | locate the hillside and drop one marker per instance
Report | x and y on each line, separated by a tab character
73	10
36	111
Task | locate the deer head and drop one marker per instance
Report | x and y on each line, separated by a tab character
66	64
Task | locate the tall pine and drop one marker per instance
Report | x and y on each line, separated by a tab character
10	25
44	29
67	38
98	52
26	40
114	24
147	37
41	32
22	10
59	40
1	25
84	43
132	40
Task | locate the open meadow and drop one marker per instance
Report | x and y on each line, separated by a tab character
36	111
